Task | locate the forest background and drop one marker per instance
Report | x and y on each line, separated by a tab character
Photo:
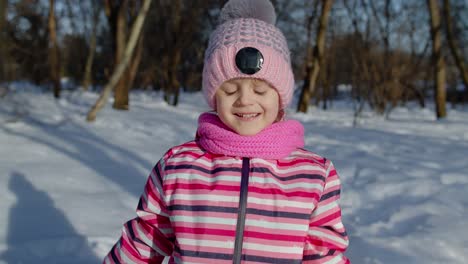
381	54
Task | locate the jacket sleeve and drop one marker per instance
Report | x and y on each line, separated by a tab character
149	237
327	240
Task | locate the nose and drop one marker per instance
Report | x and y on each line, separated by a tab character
245	97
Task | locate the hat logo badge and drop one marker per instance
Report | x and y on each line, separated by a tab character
249	60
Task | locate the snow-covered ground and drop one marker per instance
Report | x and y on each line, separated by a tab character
67	186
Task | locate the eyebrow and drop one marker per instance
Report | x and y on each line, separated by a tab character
257	82
230	87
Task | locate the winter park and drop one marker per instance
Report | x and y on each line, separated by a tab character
94	95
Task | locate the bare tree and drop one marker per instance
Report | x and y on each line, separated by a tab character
439	63
54	54
173	57
28	46
71	16
453	46
122	66
361	55
329	73
116	12
414	72
182	17
383	67
92	45
120	15
3	12
3	62
313	66
309	45
383	72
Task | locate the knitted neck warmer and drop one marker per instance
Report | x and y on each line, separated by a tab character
274	142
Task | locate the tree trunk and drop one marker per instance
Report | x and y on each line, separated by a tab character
121	89
122	66
3	9
174	81
385	67
92	51
439	69
133	68
3	53
453	47
174	33
309	47
54	62
313	67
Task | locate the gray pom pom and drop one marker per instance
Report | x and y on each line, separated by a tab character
258	9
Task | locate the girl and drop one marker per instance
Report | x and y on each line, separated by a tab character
244	190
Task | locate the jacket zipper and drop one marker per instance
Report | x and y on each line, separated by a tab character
241	212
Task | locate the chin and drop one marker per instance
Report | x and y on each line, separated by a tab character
248	133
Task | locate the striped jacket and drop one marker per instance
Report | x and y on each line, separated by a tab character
195	204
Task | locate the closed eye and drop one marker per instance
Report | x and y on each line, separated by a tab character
230	92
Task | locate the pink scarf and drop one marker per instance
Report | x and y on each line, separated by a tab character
274	142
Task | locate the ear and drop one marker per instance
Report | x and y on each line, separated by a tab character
281	115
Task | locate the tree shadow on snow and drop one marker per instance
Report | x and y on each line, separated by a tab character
38	232
108	160
362	252
393	179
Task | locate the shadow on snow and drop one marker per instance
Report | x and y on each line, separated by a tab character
38	232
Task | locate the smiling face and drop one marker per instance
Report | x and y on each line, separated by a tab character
247	106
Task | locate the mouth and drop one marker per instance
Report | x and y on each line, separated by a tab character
247	116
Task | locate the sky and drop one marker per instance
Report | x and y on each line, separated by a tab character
67	186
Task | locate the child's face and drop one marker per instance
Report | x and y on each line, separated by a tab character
247	106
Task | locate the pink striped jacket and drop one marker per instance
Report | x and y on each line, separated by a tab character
199	207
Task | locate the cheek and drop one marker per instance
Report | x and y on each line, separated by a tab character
275	103
217	101
221	103
274	108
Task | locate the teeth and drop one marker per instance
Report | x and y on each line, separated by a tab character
247	115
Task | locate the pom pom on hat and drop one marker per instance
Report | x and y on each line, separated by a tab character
248	24
258	9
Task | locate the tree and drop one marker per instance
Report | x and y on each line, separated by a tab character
92	45
383	70
53	50
453	46
313	65
120	14
27	53
183	19
172	59
438	59
116	12
3	12
176	43
122	66
3	62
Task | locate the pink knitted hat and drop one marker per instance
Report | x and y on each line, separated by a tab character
246	44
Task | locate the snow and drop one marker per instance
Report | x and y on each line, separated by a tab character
67	186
